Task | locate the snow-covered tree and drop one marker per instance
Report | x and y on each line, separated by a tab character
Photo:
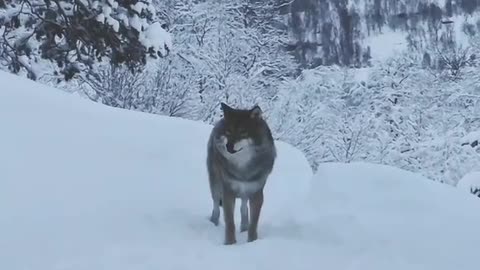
401	114
162	88
321	113
115	86
171	90
234	49
66	37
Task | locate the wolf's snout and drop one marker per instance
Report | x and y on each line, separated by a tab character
231	148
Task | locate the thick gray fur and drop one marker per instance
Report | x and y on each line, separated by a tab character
230	178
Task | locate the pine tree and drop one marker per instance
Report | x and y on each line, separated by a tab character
70	36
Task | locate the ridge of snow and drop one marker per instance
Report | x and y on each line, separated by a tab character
471	137
469	182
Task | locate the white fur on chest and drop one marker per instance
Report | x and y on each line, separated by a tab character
241	158
244	189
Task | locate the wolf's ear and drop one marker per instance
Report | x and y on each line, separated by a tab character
256	112
226	109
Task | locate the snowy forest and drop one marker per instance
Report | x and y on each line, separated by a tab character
393	82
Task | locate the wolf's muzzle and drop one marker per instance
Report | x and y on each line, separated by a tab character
231	148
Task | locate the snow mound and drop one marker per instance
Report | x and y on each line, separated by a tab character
470	182
85	186
472	138
380	217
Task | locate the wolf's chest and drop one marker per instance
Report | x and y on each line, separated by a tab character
242	158
243	188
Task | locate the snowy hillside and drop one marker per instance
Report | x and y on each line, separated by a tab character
86	186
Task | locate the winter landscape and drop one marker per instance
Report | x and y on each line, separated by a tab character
106	107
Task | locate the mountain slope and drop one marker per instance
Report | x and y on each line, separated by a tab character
85	186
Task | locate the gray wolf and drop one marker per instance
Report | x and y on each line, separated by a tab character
240	157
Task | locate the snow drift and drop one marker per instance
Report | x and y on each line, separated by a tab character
85	186
381	217
470	182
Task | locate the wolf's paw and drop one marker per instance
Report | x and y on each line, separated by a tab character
243	227
252	236
214	220
230	241
215	217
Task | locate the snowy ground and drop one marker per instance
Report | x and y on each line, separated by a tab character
89	187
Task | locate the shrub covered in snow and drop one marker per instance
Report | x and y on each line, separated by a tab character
399	114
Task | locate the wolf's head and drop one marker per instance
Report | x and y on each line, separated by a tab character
242	128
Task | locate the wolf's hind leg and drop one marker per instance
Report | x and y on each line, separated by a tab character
214	218
216	193
244	215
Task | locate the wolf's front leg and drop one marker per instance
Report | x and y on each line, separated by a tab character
256	202
228	211
244	215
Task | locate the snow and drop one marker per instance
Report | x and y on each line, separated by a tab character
462	38
386	45
440	3
95	4
113	3
114	189
67	8
359	7
122	17
7	14
138	7
86	186
471	137
107	11
114	23
136	23
379	217
157	37
469	181
151	8
361	74
100	17
105	16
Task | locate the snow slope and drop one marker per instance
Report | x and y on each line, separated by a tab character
381	217
84	186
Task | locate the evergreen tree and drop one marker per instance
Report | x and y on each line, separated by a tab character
73	35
